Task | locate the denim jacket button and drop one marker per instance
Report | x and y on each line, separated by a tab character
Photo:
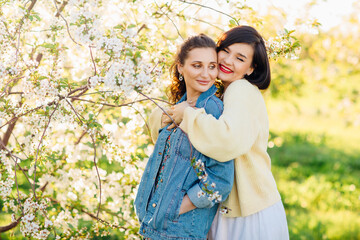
161	180
143	230
154	204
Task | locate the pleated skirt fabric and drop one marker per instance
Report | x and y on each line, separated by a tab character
268	224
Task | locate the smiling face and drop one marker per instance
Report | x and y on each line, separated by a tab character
234	62
199	70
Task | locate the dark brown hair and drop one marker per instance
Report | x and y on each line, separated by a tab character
245	34
177	88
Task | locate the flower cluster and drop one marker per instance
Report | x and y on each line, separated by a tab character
72	75
30	225
208	188
284	44
6	178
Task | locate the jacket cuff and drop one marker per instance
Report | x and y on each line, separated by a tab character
199	198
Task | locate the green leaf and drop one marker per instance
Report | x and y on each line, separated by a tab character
119	26
141	47
232	23
48	45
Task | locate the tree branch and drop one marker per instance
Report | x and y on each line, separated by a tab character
200	5
67	25
120	105
61	8
17	189
4	91
13	157
103	221
177	29
7	134
10	226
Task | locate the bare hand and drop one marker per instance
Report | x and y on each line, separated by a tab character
177	113
186	205
165	120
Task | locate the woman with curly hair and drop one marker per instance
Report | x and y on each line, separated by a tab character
174	199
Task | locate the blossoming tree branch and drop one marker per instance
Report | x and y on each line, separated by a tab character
77	80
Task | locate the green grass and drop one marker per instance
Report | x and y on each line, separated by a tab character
317	174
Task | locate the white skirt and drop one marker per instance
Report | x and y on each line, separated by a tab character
268	224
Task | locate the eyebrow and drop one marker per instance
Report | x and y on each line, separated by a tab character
202	62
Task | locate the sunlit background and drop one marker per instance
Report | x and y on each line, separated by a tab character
313	105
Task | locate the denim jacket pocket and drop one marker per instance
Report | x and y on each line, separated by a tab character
174	207
185	148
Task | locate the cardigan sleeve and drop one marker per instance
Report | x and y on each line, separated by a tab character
234	133
155	123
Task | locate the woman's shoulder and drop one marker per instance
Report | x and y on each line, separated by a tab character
241	88
214	106
242	84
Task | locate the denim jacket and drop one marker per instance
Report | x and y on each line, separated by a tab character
158	210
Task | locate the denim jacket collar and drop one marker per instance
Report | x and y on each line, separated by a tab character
203	96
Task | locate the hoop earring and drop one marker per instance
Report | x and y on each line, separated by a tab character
181	78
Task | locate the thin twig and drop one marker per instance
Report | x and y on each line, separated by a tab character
94	146
76	113
10	93
81	93
17	189
22	19
82	135
209	23
146	124
78	89
18	29
120	105
200	5
13	157
38	148
17	117
162	109
103	221
67	25
177	29
97	171
92	59
17	141
4	91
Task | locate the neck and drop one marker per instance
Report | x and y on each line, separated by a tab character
192	96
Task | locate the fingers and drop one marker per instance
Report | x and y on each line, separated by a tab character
170	111
171	126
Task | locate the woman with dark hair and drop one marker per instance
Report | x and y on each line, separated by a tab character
175	200
254	209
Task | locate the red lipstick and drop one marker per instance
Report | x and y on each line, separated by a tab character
225	69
